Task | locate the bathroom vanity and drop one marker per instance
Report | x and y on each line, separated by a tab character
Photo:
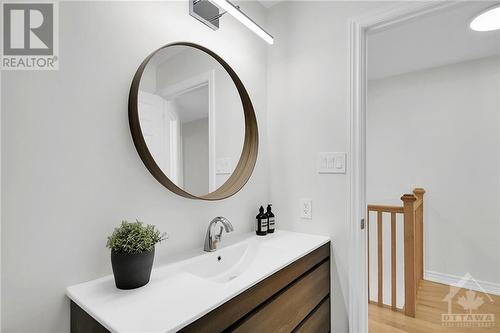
276	283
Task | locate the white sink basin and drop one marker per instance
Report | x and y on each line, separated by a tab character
225	264
185	290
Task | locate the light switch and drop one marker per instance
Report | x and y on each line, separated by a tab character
306	208
323	163
339	164
331	162
223	166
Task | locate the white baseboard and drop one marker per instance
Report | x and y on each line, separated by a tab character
449	279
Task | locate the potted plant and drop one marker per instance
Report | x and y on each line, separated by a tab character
132	253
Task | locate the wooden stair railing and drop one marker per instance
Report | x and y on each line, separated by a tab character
413	224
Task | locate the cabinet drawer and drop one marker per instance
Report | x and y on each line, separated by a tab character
318	321
289	308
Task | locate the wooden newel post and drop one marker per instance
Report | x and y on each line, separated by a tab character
419	236
409	201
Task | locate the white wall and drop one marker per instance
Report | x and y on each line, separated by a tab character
439	129
1	211
308	82
195	156
70	171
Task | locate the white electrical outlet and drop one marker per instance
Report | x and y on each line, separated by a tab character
306	208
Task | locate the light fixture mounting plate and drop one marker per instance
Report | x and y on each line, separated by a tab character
205	12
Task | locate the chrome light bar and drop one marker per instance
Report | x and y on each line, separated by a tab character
210	11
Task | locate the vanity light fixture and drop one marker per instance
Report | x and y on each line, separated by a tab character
210	11
488	20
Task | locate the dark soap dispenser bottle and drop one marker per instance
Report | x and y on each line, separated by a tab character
271	220
261	225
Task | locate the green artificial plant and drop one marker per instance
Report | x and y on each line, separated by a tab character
134	237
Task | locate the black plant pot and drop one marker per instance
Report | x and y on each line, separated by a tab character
132	270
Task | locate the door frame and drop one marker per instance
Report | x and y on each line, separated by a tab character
208	79
359	28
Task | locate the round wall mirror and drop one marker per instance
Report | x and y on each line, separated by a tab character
192	122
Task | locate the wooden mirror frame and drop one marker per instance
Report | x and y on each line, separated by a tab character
248	158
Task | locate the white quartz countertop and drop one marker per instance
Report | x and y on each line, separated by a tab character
183	291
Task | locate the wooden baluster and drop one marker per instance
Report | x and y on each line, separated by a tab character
368	247
409	253
419	237
393	261
379	253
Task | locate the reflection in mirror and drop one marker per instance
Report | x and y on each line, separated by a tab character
191	118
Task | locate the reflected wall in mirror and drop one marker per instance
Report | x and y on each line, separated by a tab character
191	117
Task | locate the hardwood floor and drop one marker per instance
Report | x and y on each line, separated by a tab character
430	307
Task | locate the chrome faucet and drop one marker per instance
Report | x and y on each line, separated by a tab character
212	240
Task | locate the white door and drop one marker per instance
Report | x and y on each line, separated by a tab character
156	134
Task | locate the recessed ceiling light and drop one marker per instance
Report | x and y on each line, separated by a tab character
488	20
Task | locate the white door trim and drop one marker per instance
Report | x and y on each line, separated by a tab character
358	29
207	78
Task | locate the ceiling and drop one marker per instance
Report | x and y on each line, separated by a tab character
438	39
270	3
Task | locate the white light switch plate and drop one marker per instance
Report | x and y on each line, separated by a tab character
223	166
331	162
306	208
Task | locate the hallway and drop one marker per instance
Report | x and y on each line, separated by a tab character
430	306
